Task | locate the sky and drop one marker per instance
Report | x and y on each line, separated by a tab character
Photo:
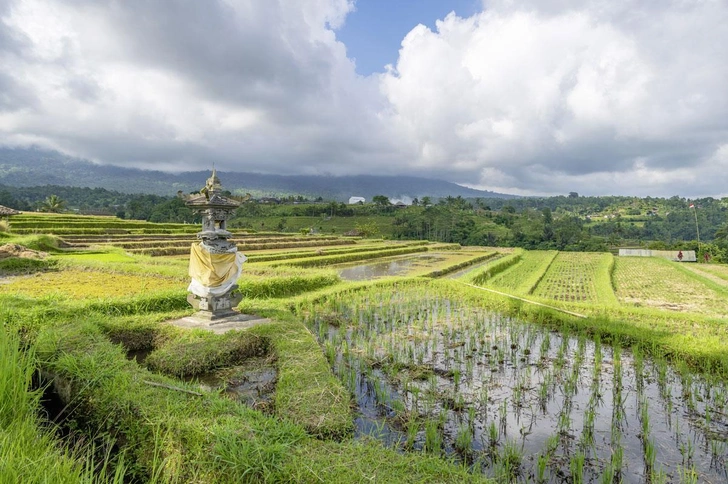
531	97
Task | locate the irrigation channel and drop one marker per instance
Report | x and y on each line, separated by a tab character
515	400
252	384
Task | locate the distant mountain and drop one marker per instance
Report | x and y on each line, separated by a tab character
33	167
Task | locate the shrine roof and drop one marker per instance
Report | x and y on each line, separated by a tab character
201	201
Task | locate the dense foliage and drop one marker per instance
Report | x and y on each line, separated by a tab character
572	222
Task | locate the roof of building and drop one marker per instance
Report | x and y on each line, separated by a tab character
6	211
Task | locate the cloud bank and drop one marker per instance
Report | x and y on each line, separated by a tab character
600	97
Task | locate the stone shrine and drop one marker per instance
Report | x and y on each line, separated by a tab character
215	263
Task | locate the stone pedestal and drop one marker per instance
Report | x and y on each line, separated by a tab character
216	307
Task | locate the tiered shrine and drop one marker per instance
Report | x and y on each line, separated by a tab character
215	263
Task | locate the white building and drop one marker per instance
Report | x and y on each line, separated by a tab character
355	200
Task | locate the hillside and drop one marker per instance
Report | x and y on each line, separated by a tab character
33	167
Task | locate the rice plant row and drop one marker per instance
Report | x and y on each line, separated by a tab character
496	267
315	252
343	258
523	277
162	242
578	277
165	250
515	400
101	238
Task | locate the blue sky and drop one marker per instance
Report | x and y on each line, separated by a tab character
374	31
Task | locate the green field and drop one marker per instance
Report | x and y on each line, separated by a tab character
448	366
661	284
579	277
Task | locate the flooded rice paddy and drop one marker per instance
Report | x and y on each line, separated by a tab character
399	266
517	401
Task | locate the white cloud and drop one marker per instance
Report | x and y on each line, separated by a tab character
528	97
618	97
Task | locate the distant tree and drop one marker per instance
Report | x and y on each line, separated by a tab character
722	233
367	229
426	201
7	200
573	195
173	210
381	200
547	217
415	202
53	204
548	228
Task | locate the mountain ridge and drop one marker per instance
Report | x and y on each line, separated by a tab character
33	167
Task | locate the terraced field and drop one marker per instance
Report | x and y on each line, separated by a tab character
663	284
578	277
717	273
460	383
84	284
523	277
62	224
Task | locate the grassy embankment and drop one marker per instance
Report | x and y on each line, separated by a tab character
29	450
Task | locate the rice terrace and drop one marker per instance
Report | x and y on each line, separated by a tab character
377	360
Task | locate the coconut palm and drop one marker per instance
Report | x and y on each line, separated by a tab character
53	203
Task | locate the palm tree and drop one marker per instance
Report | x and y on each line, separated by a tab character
52	203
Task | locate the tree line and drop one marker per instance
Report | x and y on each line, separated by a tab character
570	222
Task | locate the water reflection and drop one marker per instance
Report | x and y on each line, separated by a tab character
392	267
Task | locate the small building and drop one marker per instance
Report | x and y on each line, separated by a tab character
355	200
675	255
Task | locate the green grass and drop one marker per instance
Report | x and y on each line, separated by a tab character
307	392
29	451
165	250
20	266
195	353
43	243
177	436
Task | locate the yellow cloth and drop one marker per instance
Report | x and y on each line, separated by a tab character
211	270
